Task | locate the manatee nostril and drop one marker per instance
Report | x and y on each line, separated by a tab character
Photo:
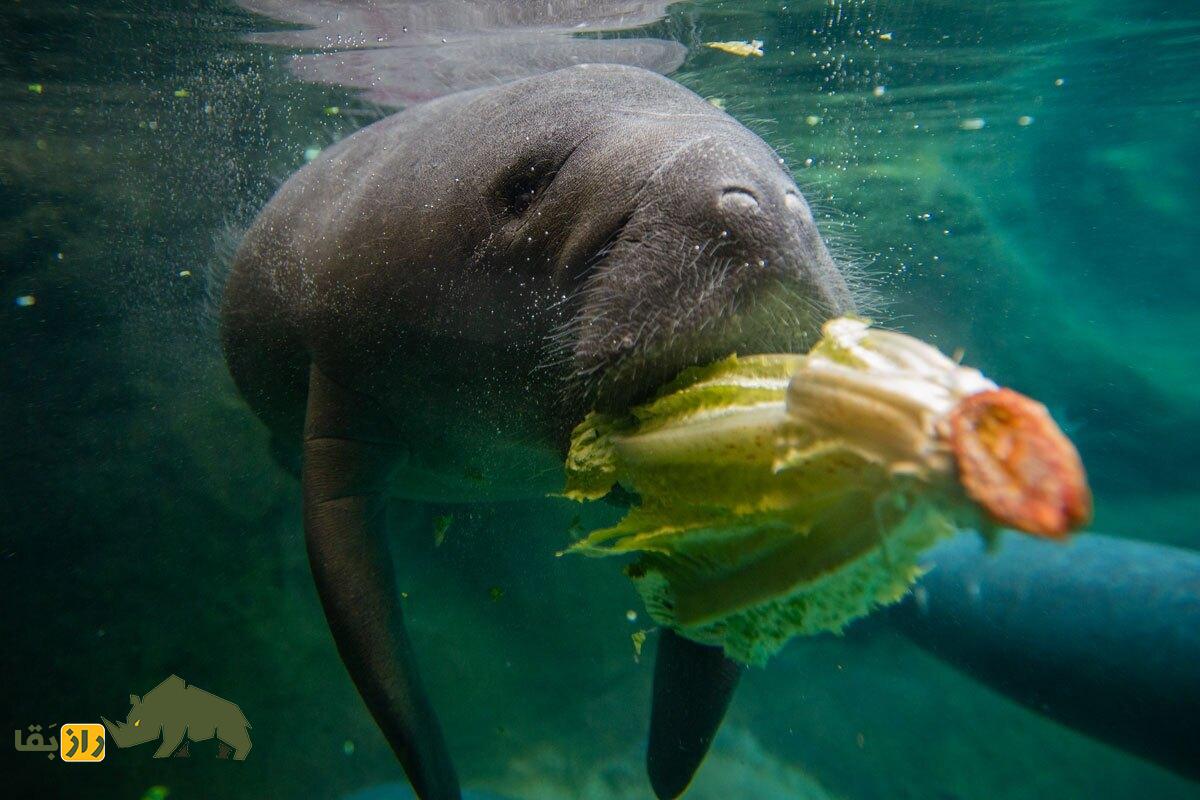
795	203
738	198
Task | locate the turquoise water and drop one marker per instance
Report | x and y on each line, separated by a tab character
1018	179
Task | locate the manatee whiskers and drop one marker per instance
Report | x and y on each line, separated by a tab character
688	275
718	320
595	304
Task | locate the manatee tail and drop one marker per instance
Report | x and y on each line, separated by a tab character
348	455
693	684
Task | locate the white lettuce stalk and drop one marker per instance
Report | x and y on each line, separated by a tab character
783	495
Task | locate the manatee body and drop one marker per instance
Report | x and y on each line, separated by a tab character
426	310
176	711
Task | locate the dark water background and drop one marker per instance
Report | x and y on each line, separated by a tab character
144	529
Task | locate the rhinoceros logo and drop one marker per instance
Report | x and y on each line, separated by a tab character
179	712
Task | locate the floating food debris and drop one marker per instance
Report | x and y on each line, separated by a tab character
332	111
25	301
156	793
348	747
440	526
786	495
310	153
36	88
182	93
812	119
1024	120
717	102
887	37
185	273
495	593
879	91
639	640
743	49
971	124
631	615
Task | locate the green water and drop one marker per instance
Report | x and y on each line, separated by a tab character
1018	179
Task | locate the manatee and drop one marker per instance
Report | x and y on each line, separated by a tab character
426	310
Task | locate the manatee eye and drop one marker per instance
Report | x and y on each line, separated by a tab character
522	200
523	187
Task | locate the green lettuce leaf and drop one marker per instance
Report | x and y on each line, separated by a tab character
781	495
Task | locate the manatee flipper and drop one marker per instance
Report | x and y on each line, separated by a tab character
693	684
349	452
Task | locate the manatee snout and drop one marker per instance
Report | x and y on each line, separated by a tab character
745	210
721	255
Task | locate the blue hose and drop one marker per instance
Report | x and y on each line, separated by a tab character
1101	634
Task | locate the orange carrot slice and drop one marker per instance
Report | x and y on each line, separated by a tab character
1016	463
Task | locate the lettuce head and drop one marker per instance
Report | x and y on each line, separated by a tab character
783	495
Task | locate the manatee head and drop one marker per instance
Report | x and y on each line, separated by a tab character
566	241
654	230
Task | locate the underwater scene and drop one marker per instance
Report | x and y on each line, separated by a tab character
606	400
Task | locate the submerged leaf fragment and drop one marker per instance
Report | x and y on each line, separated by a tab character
786	495
739	48
440	526
639	640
